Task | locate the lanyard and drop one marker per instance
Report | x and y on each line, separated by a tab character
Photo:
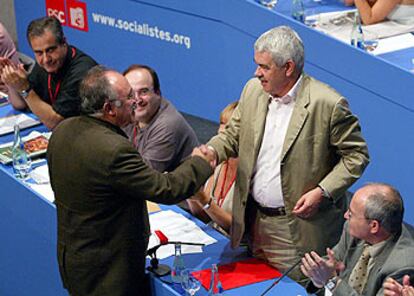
223	193
53	96
134	136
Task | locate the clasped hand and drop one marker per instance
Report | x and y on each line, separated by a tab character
207	154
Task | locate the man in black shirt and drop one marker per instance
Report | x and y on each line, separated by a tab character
51	90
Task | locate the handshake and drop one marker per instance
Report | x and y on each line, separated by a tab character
207	153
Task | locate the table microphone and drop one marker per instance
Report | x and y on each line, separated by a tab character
282	276
162	269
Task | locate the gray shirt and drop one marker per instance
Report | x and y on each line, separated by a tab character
166	141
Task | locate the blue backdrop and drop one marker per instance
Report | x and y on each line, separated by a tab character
207	56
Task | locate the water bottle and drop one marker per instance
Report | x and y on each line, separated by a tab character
357	36
216	287
21	161
298	10
178	265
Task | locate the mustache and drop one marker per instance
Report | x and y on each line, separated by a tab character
134	106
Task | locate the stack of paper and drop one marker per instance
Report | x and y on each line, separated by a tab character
24	121
339	25
176	227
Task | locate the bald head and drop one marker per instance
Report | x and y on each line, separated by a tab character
384	204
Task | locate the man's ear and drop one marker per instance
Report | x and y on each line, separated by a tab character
290	68
109	109
375	226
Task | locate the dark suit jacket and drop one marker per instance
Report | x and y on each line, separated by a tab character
323	145
101	184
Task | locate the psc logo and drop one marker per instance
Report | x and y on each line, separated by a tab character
70	13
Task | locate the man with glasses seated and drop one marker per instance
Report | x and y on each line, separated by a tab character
160	133
375	246
51	90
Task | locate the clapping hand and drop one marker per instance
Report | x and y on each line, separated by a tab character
14	76
394	288
320	270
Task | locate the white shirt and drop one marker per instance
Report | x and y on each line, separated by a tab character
266	182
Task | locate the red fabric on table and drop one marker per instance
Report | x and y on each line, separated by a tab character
238	274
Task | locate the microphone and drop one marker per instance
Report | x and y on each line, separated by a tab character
280	278
162	269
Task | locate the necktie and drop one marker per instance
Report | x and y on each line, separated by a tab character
359	274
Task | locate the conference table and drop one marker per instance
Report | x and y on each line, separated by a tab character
28	263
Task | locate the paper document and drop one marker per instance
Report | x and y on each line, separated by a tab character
45	190
3	99
339	25
40	182
24	121
176	227
394	43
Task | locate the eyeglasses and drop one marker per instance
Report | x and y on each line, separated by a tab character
118	103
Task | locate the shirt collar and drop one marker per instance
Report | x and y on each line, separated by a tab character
375	250
291	94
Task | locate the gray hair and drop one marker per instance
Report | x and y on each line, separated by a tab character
283	44
38	27
95	90
385	205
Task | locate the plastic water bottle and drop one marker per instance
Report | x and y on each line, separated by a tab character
216	287
178	265
298	10
357	36
21	161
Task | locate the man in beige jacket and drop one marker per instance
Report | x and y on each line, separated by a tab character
300	148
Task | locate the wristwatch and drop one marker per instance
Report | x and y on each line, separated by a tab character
207	205
331	284
25	93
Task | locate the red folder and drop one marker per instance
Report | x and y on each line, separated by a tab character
238	274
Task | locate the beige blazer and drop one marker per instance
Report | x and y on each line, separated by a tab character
323	145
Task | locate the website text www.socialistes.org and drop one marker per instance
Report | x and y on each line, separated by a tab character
142	29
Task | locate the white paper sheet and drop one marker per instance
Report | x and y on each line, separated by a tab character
24	121
176	227
394	43
338	24
44	190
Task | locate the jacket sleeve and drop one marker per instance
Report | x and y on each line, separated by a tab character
226	143
345	135
134	179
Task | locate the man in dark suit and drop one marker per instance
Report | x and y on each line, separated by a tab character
101	183
375	245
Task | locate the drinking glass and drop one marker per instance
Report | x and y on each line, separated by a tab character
189	283
22	167
268	3
311	17
370	40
